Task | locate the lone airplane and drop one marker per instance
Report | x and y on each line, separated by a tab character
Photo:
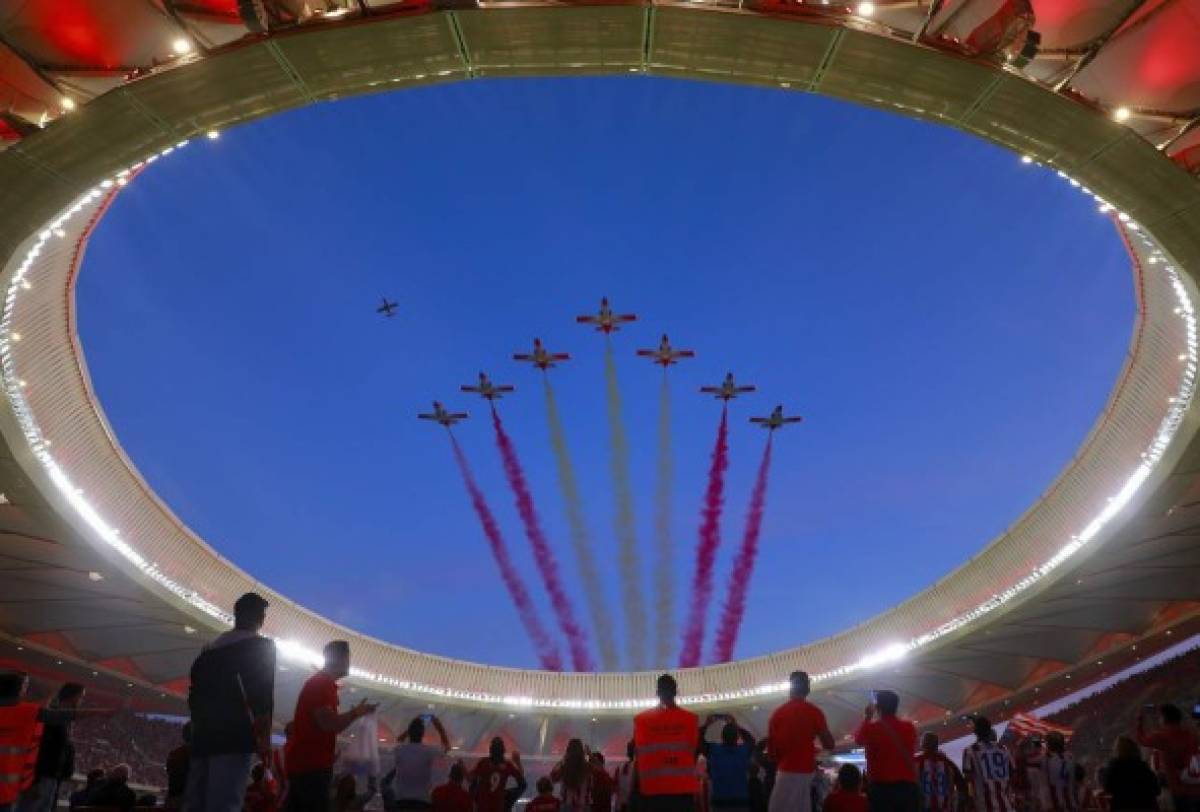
443	417
540	357
606	321
387	309
775	420
488	390
665	354
728	390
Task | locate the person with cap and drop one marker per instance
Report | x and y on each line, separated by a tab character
665	741
231	700
889	742
792	733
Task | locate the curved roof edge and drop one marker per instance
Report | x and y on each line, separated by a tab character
59	170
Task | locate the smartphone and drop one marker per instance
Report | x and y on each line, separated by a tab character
1196	711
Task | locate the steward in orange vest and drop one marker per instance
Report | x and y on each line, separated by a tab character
20	734
666	738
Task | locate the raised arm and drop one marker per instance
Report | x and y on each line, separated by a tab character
330	721
441	731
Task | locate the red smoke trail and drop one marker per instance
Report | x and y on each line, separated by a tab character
546	650
577	639
706	547
743	564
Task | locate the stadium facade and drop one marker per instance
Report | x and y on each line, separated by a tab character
97	572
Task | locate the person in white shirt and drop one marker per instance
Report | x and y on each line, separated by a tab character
413	781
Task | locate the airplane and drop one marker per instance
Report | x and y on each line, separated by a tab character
665	354
776	419
488	390
540	357
606	321
443	417
386	308
728	390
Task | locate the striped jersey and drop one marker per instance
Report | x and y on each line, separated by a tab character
988	768
1060	775
935	777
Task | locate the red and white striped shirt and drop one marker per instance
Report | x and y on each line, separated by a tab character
1060	775
988	768
935	777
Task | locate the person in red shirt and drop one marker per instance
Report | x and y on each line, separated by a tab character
315	727
603	785
889	742
489	779
1178	744
262	795
847	793
545	800
790	745
451	796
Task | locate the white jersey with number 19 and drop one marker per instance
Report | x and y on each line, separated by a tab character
988	768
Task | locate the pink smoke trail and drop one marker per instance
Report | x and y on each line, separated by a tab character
546	650
706	547
743	564
543	556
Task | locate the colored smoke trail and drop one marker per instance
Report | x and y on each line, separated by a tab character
706	547
627	556
543	556
664	583
743	565
581	539
546	650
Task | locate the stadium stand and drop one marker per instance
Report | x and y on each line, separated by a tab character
142	742
1099	719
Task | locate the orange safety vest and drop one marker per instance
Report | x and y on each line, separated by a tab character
666	740
20	734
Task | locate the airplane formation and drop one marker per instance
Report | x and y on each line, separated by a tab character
607	322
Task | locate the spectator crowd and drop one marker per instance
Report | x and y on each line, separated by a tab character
224	758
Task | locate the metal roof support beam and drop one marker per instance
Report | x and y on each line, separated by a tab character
934	8
464	53
286	66
988	91
827	58
170	9
1187	129
33	65
1099	42
648	19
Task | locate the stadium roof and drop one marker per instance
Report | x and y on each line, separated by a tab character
94	566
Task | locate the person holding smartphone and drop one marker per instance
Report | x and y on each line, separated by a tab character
413	783
889	742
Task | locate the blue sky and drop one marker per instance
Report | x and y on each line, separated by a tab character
948	320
